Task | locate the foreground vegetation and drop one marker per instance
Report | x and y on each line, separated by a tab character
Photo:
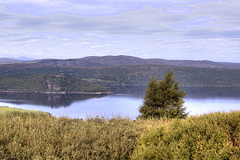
4	110
41	136
210	136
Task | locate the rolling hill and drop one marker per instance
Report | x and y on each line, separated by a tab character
133	75
132	71
121	60
9	61
130	61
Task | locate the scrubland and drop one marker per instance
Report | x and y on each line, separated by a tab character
36	135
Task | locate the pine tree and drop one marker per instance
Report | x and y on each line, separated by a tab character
163	99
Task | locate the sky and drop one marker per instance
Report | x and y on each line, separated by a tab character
167	29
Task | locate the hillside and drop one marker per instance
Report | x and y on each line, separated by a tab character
9	61
46	83
134	75
67	62
129	60
120	60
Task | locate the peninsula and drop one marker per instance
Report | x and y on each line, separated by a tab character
49	84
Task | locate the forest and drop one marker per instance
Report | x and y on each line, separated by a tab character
39	83
133	75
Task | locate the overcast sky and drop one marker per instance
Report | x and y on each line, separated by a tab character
168	29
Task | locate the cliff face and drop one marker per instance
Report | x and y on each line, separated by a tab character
55	83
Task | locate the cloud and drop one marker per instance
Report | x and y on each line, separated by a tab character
203	34
46	7
39	2
92	7
102	45
165	29
27	39
223	11
145	21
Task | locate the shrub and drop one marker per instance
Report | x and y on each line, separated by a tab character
212	136
41	136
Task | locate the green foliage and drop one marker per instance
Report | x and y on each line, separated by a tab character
46	83
7	110
163	99
211	136
135	75
40	136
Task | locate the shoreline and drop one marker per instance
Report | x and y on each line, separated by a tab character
57	93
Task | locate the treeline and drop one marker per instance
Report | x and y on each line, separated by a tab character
46	83
136	75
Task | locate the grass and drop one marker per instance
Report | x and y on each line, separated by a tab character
8	109
35	135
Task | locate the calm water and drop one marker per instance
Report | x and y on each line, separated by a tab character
124	102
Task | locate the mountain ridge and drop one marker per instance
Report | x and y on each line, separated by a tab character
9	61
123	60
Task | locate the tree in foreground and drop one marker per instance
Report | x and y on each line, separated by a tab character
163	99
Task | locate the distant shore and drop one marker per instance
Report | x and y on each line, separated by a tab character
60	93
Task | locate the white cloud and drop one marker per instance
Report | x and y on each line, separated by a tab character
176	29
145	21
102	45
86	42
39	2
148	20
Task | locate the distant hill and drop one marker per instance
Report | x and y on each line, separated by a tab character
67	62
129	60
120	61
137	75
9	61
17	60
46	83
130	71
25	59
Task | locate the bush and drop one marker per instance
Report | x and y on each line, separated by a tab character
40	136
212	136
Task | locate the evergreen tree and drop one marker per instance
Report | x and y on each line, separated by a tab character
163	99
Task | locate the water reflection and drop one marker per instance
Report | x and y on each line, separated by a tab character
130	90
57	101
48	100
125	102
210	93
192	92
